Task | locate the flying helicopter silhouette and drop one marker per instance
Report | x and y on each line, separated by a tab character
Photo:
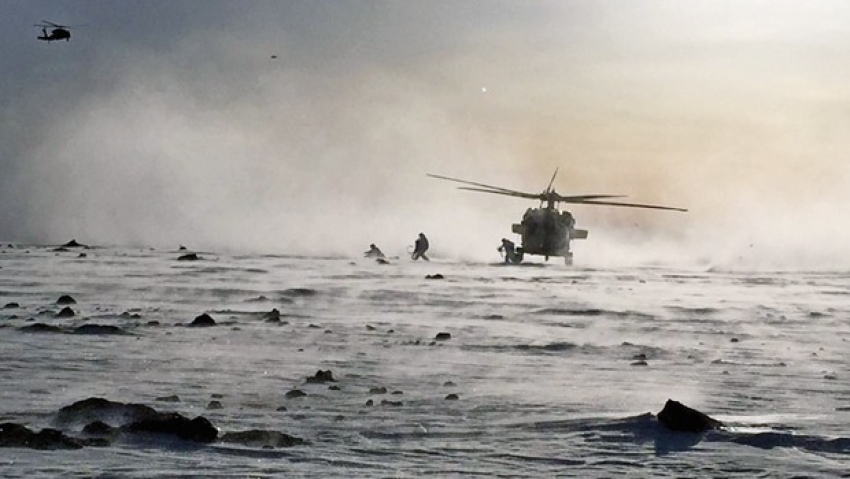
57	32
547	230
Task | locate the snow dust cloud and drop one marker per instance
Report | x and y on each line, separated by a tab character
309	128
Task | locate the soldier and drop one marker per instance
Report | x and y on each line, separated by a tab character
509	248
420	247
374	252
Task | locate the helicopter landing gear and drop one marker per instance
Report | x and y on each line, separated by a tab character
568	259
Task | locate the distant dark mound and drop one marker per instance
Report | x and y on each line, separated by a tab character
435	276
41	328
98	329
203	321
73	244
551	347
263	439
188	257
66	312
678	417
295	393
272	316
443	336
321	377
300	292
12	305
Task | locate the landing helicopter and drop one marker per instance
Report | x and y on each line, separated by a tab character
547	230
57	32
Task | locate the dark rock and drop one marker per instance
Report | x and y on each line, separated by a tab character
443	336
172	398
199	429
188	257
73	244
370	402
734	340
98	428
434	276
66	312
382	261
260	438
99	409
321	377
272	316
214	405
639	357
370	328
281	409
41	328
98	329
378	390
397	393
153	323
295	393
216	396
391	403
11	305
82	255
639	363
452	397
181	248
334	388
16	435
449	384
678	417
203	320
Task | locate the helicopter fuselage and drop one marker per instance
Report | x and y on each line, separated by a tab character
55	34
547	232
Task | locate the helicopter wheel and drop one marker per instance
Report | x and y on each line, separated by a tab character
568	259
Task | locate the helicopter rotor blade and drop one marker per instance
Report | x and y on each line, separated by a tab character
627	205
495	188
576	198
46	24
549	188
516	194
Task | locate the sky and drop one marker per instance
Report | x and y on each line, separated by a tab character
309	127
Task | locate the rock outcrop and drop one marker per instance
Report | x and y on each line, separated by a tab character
678	417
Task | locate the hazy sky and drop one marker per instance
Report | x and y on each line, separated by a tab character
169	122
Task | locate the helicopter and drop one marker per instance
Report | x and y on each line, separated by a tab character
57	32
547	230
